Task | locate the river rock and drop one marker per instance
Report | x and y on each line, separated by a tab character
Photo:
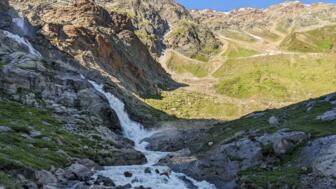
128	174
105	181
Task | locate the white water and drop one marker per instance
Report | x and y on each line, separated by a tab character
20	23
22	41
136	132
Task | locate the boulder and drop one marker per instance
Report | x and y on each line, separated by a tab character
45	177
282	140
320	155
78	171
273	121
328	116
105	181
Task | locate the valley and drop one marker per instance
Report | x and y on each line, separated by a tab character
146	94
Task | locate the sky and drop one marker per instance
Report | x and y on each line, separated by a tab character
227	5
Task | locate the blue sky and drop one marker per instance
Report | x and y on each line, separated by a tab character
226	5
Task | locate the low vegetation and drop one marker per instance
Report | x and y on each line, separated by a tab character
236	51
180	64
297	117
193	105
278	77
317	40
36	140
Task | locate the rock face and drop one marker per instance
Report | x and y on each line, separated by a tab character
153	19
59	87
319	155
172	140
223	162
100	41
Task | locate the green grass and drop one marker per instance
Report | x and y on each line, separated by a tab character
182	65
9	182
318	40
239	36
201	57
192	105
278	77
236	51
19	151
266	35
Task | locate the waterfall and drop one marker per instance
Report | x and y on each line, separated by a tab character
22	41
148	175
21	28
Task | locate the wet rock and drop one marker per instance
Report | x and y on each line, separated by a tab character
142	187
45	177
105	181
128	174
127	186
148	170
80	185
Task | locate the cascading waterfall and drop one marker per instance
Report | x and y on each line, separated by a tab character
22	41
21	25
148	175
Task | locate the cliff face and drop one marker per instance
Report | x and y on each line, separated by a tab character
99	40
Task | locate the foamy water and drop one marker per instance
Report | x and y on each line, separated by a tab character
148	175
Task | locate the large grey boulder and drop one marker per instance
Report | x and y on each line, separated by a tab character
328	116
282	140
320	155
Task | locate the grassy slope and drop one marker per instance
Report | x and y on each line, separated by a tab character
193	105
295	117
181	65
278	77
55	147
236	51
318	40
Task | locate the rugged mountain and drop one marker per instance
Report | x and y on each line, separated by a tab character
153	19
276	20
98	40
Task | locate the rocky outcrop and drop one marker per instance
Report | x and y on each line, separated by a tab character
100	41
172	140
60	88
319	155
192	39
223	162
